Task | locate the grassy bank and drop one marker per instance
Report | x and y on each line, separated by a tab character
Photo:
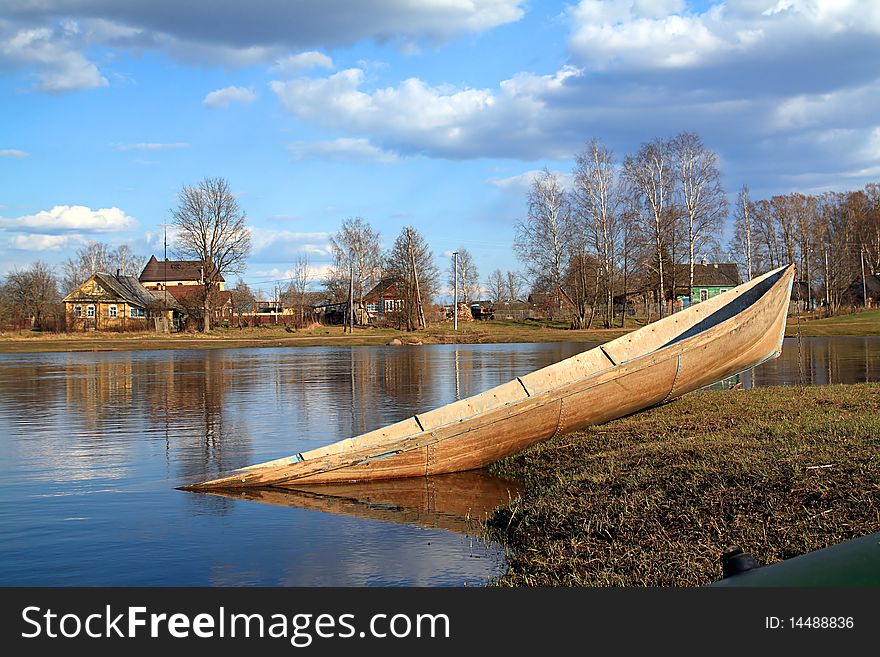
860	323
277	336
652	499
865	323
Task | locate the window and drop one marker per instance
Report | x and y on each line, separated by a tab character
90	311
112	311
138	312
704	294
372	307
77	310
722	290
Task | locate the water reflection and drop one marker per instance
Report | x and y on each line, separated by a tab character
818	361
92	445
454	502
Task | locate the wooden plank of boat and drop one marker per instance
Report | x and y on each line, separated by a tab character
451	501
709	341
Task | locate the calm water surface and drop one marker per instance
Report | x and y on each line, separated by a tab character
92	446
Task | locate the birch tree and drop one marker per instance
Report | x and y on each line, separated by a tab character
543	239
596	201
356	253
649	175
700	194
468	276
212	229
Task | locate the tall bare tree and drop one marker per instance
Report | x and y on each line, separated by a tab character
595	202
468	276
299	284
243	299
744	232
543	239
514	285
33	292
650	176
211	228
496	285
411	262
357	259
700	194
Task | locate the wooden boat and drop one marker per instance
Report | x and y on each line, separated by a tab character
709	341
451	501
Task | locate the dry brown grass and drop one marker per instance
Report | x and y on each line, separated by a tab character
652	499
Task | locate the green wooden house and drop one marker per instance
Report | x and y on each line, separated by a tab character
710	280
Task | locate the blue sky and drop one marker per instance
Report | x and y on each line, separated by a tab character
433	114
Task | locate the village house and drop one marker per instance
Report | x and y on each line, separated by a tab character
173	273
118	303
710	280
386	298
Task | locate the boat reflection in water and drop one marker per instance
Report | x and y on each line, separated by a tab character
454	502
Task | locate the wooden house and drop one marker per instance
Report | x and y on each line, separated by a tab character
710	280
174	273
386	298
118	303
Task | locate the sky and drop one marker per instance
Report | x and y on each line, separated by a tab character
431	113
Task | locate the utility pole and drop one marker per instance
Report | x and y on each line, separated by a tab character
351	298
455	293
827	284
864	284
412	257
165	270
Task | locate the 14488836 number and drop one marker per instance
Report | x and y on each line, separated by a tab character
822	622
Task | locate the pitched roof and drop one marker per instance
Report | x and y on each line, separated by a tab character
157	271
122	288
184	293
385	287
724	274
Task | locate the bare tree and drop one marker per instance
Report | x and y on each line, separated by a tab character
743	228
33	292
99	257
700	194
357	259
468	276
595	202
650	177
543	239
496	285
299	284
243	299
411	262
211	229
514	285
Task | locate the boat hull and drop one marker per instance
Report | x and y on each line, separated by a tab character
662	361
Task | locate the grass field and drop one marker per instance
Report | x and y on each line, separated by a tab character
861	323
865	323
652	499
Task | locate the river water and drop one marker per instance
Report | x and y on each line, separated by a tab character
92	446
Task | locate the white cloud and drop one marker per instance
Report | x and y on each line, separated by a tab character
522	183
657	34
228	95
152	146
341	150
12	152
39	242
54	53
317	243
66	218
415	117
304	61
54	35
